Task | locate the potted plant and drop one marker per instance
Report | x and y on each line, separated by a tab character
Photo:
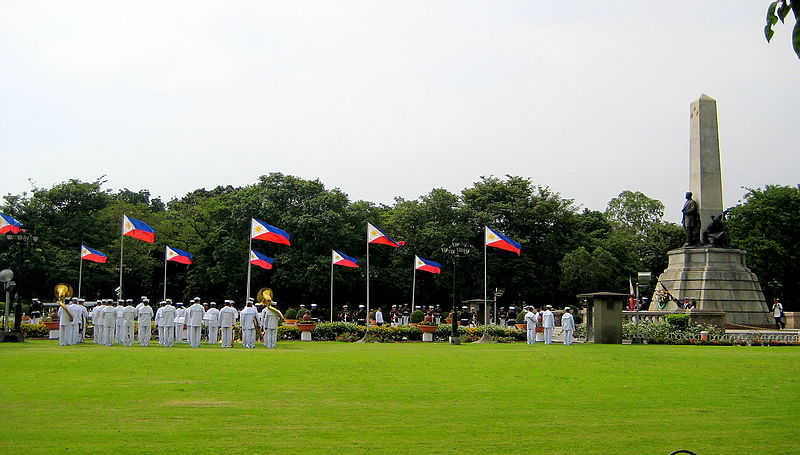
306	326
300	313
290	317
449	319
520	321
416	317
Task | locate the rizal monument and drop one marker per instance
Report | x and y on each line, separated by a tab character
706	269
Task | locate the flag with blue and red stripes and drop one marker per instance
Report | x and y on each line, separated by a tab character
495	239
261	260
260	230
9	224
137	229
90	254
426	265
176	255
344	260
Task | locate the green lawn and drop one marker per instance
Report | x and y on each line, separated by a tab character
400	398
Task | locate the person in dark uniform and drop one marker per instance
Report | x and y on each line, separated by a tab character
437	314
36	311
463	316
511	316
394	316
501	316
361	315
406	313
344	315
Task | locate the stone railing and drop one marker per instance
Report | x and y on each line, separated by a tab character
704	317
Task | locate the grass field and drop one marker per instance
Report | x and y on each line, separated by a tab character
321	398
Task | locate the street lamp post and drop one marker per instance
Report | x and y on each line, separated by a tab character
455	251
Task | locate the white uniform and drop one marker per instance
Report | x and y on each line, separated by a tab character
248	317
194	321
97	324
128	317
530	320
568	326
269	321
110	323
145	316
118	324
64	326
212	318
180	315
77	318
227	317
168	313
548	322
160	324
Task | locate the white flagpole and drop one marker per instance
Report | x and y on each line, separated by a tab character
80	275
366	320
331	289
414	283
121	245
249	252
485	302
165	273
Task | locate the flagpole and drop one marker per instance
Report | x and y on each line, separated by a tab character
366	319
80	276
165	273
485	302
121	249
413	285
249	252
331	290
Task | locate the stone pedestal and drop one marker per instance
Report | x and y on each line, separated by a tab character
718	280
305	336
427	337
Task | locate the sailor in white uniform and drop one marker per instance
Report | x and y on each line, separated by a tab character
145	316
227	317
212	319
248	318
168	314
194	322
530	321
568	325
128	318
548	322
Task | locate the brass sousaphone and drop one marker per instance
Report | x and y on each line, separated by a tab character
265	298
63	291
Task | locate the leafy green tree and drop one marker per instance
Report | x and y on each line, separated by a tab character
778	10
583	272
635	211
767	225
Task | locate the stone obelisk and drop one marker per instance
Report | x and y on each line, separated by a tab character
705	176
717	278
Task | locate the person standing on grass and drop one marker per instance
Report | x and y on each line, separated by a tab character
145	316
777	313
128	318
168	313
567	325
270	317
84	321
97	322
64	325
548	322
77	317
379	317
118	321
180	316
194	322
212	318
159	318
248	318
227	317
110	318
530	321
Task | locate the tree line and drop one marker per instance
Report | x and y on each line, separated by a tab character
566	250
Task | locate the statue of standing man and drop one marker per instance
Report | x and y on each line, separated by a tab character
691	221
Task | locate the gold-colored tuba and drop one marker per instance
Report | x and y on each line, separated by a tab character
265	298
63	291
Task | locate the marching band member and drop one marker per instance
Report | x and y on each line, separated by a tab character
227	317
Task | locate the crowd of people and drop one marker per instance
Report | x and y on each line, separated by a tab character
115	321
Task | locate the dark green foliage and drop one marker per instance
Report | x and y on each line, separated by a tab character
291	313
679	320
778	10
416	316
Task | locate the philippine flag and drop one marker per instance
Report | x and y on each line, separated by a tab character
261	260
426	265
9	224
260	230
137	229
344	260
176	255
498	240
90	254
375	235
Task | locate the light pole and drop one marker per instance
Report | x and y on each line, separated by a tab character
455	251
6	275
23	239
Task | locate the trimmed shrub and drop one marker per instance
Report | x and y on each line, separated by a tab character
679	320
416	317
301	313
291	313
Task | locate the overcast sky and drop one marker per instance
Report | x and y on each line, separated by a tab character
385	99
